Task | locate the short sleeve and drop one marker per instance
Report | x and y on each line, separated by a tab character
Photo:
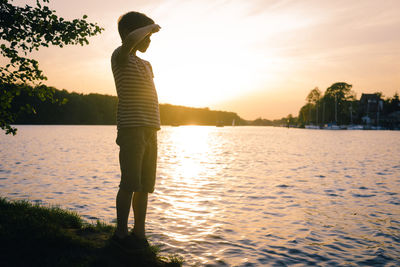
114	56
149	68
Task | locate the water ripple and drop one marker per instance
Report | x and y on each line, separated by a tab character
231	196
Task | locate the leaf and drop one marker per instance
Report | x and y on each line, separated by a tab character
26	29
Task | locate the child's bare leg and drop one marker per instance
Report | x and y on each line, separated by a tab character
139	204
124	199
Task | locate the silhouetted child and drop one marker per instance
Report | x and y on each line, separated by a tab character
138	121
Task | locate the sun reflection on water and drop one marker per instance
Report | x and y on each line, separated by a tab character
187	149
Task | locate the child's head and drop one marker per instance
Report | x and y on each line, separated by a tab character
132	21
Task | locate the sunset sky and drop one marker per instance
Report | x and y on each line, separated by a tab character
259	58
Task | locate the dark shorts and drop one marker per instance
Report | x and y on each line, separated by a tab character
137	158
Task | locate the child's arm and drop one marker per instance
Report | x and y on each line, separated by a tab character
134	38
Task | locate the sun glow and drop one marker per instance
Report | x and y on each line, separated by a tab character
206	79
203	64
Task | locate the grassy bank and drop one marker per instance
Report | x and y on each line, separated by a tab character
33	235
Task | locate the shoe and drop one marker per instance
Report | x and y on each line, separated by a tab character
127	244
142	242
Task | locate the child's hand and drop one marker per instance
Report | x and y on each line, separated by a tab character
155	28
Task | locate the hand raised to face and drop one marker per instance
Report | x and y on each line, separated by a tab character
155	28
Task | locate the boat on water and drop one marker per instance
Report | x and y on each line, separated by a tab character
370	127
311	126
355	127
332	127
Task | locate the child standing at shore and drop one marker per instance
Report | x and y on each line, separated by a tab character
138	121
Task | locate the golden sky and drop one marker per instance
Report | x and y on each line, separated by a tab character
259	58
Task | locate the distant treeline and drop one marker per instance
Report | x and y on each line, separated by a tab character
75	108
338	105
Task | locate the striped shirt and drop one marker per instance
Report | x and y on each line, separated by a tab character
137	95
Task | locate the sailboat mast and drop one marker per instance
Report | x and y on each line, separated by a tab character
335	109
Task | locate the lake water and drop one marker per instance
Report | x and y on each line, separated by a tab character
231	196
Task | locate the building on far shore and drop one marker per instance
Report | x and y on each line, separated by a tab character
371	111
370	106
